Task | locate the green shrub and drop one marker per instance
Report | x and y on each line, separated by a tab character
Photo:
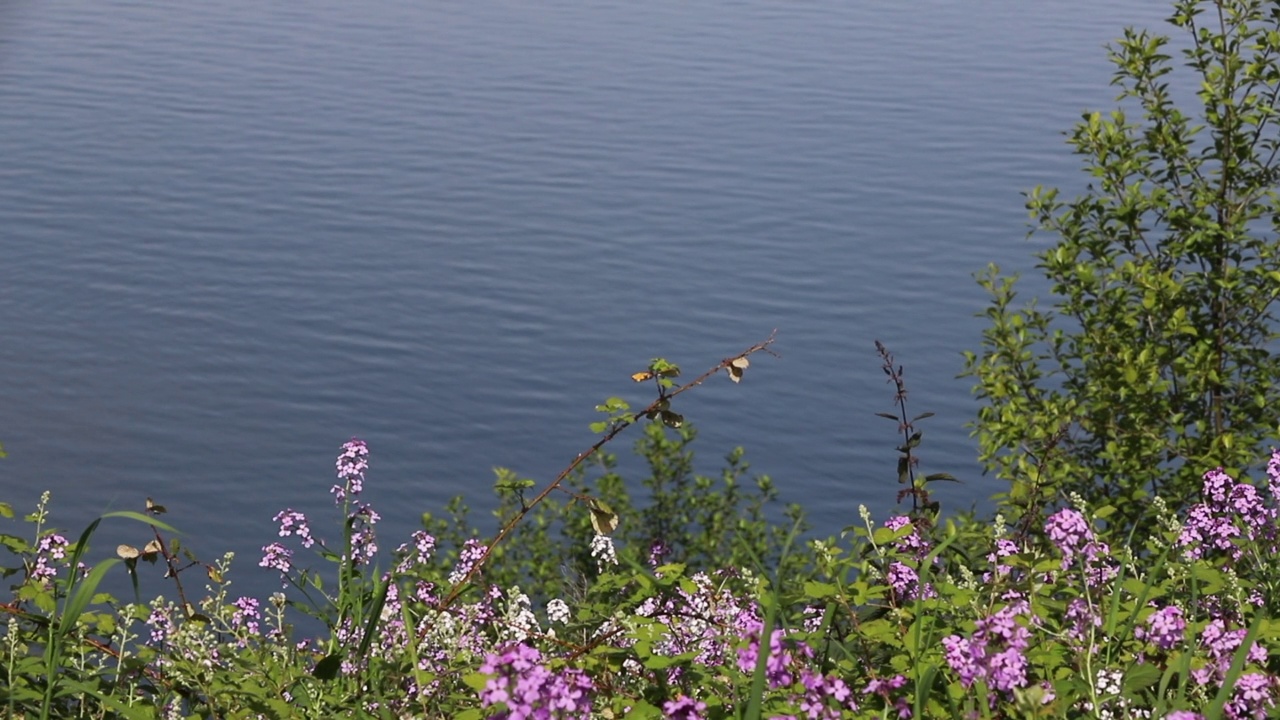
1156	359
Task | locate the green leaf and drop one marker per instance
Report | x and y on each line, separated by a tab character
83	593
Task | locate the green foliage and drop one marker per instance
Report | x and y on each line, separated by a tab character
1157	357
870	632
702	522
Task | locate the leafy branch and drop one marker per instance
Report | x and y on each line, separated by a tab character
620	419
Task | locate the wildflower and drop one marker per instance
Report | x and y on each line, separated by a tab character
519	621
603	551
353	460
1004	548
913	542
1252	697
658	550
276	556
1165	628
294	523
904	581
820	691
473	551
558	611
1084	620
781	664
1221	645
528	689
364	547
246	615
351	464
683	708
50	548
423	546
1069	530
994	652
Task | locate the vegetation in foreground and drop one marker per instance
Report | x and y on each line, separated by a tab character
902	618
1130	572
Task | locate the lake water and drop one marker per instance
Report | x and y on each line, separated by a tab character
235	234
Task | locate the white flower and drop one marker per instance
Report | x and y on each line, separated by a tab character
558	611
602	550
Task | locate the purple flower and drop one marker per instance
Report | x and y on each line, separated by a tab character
1165	627
658	551
1069	530
918	546
683	708
825	696
294	523
351	465
1221	644
246	614
994	652
364	546
1004	548
1231	511
276	556
528	689
1252	697
781	665
904	581
473	551
162	625
353	460
423	546
50	548
887	689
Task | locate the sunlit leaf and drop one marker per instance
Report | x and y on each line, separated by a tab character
641	376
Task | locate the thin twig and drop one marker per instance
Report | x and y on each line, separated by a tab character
613	432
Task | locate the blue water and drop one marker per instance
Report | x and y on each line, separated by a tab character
235	234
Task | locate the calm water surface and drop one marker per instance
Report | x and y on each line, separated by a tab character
235	234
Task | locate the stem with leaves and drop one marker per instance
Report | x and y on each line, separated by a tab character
658	409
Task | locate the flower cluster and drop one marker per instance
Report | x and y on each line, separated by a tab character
473	551
520	687
1231	511
1073	536
424	545
819	697
351	465
364	545
51	548
294	523
994	653
1165	628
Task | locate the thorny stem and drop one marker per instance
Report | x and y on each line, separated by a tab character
613	432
